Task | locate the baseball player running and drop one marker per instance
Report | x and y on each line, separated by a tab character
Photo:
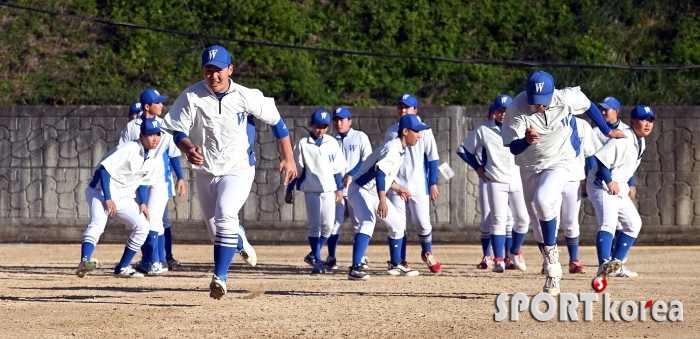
420	183
608	190
167	158
212	123
356	148
135	110
124	170
367	198
539	130
320	164
501	175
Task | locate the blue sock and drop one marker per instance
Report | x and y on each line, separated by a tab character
404	244
572	246
518	240
161	248
509	243
426	243
395	250
223	255
612	244
486	245
541	246
321	242
333	244
313	243
149	250
499	244
86	250
359	246
168	244
602	245
127	256
623	244
549	232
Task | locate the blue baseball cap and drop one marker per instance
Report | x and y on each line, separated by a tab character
321	117
342	113
135	108
502	100
409	100
540	88
411	121
642	112
610	102
490	110
150	126
217	56
151	96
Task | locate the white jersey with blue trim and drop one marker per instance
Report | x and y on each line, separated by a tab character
622	157
413	175
555	127
128	168
604	138
388	158
499	164
166	149
317	165
356	147
589	145
220	127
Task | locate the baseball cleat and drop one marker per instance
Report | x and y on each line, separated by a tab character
128	272
331	263
85	266
310	260
509	264
164	266
552	286
319	268
247	252
486	263
552	267
517	260
624	272
173	264
498	265
357	273
433	264
365	262
217	287
401	269
608	267
576	267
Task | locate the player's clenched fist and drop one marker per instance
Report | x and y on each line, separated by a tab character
613	188
616	134
531	135
289	198
194	155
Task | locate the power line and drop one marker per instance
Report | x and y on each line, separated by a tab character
511	63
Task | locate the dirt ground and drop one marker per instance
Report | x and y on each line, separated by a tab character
41	298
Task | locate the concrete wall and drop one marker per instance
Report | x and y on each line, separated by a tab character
48	154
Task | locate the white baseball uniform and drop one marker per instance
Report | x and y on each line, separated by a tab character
413	175
362	193
129	166
316	168
604	138
622	157
220	127
356	147
161	186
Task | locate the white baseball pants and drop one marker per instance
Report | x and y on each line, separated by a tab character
320	213
504	198
611	209
570	206
364	206
158	196
545	187
128	213
340	216
419	205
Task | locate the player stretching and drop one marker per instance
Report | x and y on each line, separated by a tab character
167	158
499	172
212	123
422	187
121	172
608	190
367	198
538	128
320	164
356	148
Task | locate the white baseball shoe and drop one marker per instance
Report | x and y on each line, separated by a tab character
248	252
552	285
217	287
608	267
498	266
357	273
624	272
401	269
518	260
365	262
85	266
552	266
128	272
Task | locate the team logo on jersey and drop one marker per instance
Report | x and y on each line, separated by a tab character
539	86
212	53
352	147
241	117
331	157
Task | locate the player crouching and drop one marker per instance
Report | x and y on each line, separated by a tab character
320	162
368	199
608	190
120	173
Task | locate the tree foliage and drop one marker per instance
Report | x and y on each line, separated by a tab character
54	60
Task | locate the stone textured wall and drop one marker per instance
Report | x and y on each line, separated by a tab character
48	155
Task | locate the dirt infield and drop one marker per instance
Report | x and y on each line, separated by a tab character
41	298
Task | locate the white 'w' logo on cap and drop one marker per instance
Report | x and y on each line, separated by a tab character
323	115
405	96
155	124
212	53
647	109
156	92
539	86
337	111
504	99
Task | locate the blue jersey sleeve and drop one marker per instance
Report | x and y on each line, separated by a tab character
355	169
178	135
470	159
104	182
603	172
280	130
338	181
594	113
177	167
432	172
518	146
381	181
142	193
